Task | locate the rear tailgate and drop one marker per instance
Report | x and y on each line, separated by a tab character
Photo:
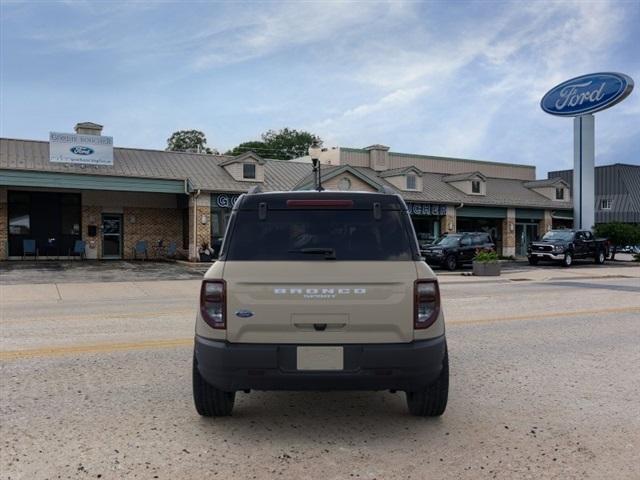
320	302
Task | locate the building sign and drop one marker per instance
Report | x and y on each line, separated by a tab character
579	98
80	149
226	201
426	209
587	94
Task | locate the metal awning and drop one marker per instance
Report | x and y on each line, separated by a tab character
30	178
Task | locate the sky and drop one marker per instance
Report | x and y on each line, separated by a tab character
451	78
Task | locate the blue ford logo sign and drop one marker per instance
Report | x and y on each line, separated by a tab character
244	313
79	150
587	94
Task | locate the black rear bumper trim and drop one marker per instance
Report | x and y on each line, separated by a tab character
397	366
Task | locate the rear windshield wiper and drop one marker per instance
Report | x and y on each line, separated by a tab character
329	253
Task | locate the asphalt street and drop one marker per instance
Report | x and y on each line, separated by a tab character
544	384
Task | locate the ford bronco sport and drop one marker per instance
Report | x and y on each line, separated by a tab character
320	291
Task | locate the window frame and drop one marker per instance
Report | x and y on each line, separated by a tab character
244	171
559	193
414	179
473	185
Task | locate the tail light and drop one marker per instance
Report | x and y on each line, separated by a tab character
426	304
213	300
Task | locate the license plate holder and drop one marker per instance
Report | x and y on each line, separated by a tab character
319	358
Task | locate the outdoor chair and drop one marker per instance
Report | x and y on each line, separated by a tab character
141	249
78	249
29	248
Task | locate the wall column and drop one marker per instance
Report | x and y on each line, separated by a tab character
448	222
545	224
200	213
91	216
509	234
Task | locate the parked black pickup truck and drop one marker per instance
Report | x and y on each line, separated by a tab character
564	246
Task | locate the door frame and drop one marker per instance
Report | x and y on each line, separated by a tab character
527	227
112	257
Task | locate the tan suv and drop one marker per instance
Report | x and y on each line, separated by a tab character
320	291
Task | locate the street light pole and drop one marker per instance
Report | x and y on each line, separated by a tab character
314	153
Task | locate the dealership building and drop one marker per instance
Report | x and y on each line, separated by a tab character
79	187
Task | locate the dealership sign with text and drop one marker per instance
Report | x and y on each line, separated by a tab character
587	94
426	209
80	149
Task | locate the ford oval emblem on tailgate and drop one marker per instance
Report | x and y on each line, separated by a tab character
244	313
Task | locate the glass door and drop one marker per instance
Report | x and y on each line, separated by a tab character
111	235
525	234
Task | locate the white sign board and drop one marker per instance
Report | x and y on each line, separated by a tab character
80	149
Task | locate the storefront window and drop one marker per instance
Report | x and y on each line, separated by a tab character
51	219
70	214
19	217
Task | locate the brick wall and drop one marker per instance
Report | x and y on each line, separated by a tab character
449	220
152	225
202	206
545	224
509	233
91	215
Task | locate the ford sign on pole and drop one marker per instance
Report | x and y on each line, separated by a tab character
580	97
80	149
587	94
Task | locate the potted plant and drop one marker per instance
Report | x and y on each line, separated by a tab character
486	264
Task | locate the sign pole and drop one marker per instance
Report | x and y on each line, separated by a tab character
583	172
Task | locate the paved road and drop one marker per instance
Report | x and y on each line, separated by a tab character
544	385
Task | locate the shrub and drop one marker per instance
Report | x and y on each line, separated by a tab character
486	257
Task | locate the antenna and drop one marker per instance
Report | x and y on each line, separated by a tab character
317	174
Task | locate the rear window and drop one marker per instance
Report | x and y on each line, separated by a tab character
481	239
319	235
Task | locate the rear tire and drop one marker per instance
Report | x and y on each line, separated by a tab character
533	261
432	401
450	263
600	257
210	401
567	261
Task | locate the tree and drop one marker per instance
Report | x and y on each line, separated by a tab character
255	146
188	141
283	144
619	234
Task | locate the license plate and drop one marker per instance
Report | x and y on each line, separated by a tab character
539	255
320	358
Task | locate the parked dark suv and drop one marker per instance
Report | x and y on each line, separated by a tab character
455	249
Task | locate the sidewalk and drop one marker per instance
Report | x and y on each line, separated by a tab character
86	271
544	273
96	291
155	287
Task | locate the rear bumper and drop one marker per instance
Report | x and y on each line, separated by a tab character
434	259
398	366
